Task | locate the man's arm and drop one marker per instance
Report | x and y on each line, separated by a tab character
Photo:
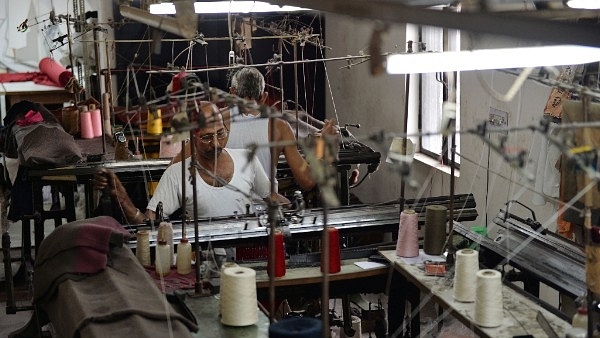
297	163
107	179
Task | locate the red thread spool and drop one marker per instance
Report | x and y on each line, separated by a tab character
279	256
335	264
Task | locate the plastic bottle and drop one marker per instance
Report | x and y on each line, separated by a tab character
166	229
184	257
162	265
580	318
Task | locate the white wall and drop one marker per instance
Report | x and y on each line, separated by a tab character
378	103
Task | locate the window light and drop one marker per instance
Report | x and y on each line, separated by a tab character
583	4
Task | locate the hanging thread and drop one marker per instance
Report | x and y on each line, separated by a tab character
238	296
296	327
356	326
407	244
279	256
465	275
142	248
488	298
335	264
435	229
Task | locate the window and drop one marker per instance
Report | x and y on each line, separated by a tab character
435	89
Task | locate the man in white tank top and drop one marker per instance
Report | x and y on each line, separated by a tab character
247	128
219	169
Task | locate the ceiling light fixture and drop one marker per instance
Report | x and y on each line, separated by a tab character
184	28
583	4
213	7
499	58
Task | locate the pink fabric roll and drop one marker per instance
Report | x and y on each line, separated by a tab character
55	71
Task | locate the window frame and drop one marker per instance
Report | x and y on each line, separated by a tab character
446	89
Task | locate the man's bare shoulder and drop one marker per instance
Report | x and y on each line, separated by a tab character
284	130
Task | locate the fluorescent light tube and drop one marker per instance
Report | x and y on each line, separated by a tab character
168	24
583	4
163	8
499	58
213	7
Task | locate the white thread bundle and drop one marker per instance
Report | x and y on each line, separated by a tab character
161	263
488	299
407	244
142	248
465	275
224	266
238	297
356	325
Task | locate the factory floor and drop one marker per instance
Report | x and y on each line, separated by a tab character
10	322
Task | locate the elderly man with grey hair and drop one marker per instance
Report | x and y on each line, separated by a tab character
246	128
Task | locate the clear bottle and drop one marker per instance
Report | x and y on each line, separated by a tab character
580	318
161	264
184	257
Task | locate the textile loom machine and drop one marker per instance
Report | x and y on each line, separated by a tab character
351	152
540	256
251	229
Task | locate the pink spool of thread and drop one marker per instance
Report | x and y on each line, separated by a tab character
85	119
408	234
96	120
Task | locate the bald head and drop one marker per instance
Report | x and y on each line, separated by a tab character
210	116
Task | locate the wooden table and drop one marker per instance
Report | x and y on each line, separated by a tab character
305	284
128	171
312	276
519	311
67	178
16	91
206	311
